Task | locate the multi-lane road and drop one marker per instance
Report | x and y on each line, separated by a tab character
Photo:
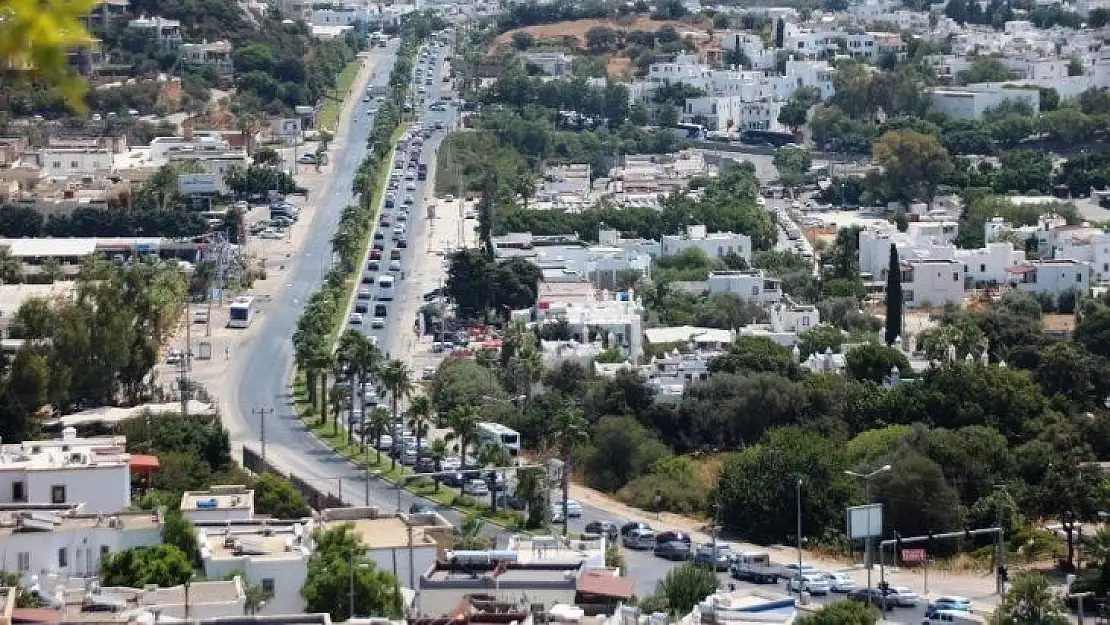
268	369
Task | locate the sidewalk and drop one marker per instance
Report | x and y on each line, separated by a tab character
220	374
980	587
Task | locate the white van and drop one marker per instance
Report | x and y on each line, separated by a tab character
958	617
639	538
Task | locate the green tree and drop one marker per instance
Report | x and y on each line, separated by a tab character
396	378
179	532
792	164
842	612
894	299
276	497
1030	601
819	339
874	362
569	429
687	585
161	565
620	450
914	164
464	426
985	69
523	40
341	575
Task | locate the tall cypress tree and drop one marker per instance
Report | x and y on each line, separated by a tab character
893	297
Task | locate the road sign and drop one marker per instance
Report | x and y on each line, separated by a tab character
913	555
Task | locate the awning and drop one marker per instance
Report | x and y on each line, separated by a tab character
143	462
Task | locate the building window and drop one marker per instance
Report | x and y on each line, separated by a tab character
23	561
982	267
907	296
755	290
1078	277
56	164
73	164
805	322
63	558
955	276
57	494
268	586
17	492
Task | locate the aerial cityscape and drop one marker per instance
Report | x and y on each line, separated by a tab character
595	312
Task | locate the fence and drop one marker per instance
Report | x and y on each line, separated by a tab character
317	499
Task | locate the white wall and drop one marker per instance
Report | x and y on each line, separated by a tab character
64	163
287	571
746	286
396	560
83	547
101	488
935	283
1058	277
989	264
716	245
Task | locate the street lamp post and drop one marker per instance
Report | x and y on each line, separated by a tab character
799	501
866	477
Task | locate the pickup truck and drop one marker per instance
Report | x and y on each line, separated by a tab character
756	568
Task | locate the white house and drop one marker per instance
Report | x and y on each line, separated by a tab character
989	265
58	162
271	553
166	32
924	240
932	282
1088	245
1052	277
971	101
404	544
217	54
91	471
752	285
614	319
716	244
61	544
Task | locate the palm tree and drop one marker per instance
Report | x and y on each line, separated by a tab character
359	357
493	455
569	429
531	488
468	536
464	425
438	451
420	418
338	397
397	380
379	424
323	362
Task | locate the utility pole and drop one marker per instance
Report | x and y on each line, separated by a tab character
186	363
799	491
262	412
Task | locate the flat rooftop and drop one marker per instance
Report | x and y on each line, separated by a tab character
258	541
555	575
12	296
385	533
68	452
219	498
14	521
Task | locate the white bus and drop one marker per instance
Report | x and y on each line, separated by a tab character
497	434
385	288
241	312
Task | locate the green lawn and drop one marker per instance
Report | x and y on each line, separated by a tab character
329	113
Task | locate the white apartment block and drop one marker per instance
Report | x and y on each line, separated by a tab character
166	32
747	85
923	240
788	320
932	282
1088	245
989	265
751	44
716	244
94	472
751	286
972	101
1052	277
76	162
60	544
733	113
339	16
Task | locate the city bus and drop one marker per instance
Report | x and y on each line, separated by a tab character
497	434
241	312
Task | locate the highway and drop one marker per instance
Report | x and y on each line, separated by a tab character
264	377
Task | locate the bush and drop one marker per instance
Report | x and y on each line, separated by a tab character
464	501
683	494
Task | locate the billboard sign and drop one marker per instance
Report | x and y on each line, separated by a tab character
865	521
198	184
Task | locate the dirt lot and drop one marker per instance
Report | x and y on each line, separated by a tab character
618	65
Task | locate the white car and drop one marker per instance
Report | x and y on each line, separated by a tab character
385	444
377	323
574	509
450	463
410	186
840	582
557	515
356	319
475	487
812	583
269	233
902	596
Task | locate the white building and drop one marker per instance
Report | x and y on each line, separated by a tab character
972	101
394	542
1052	277
788	320
556	64
932	282
271	553
59	543
60	162
922	240
70	470
165	31
220	503
751	286
1088	245
716	244
216	54
989	265
614	319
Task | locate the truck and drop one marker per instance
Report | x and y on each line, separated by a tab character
422	171
756	568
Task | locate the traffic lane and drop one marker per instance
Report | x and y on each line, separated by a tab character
286	437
